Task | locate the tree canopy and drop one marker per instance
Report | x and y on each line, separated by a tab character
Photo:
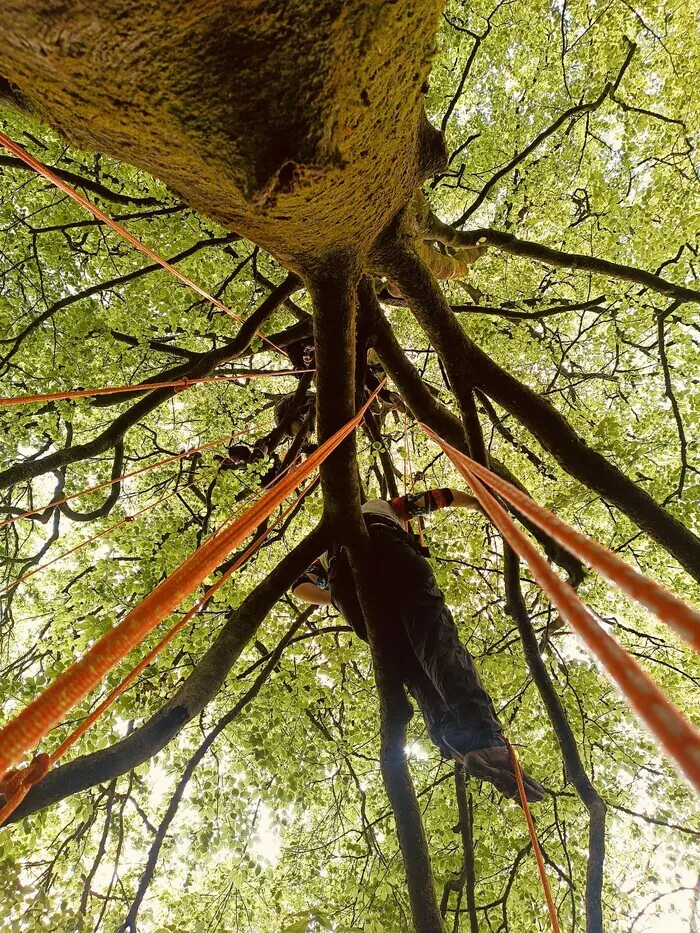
528	286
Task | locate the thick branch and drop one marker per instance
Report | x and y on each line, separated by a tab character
430	410
333	289
509	243
466	364
28	469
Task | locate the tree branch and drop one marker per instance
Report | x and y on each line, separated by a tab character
147	876
194	370
671	396
569	114
333	289
467	875
430	410
509	243
466	364
78	181
112	496
107	286
512	314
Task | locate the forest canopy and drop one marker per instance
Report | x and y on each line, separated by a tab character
571	131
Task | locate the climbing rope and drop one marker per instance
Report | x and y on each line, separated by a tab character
551	907
29	727
669	608
46	172
676	735
16	784
180	384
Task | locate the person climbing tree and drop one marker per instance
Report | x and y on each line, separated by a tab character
437	669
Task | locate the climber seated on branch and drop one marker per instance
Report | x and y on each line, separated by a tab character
435	666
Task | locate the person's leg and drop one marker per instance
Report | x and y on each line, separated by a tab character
451	668
435	712
437	669
442	676
489	763
419	605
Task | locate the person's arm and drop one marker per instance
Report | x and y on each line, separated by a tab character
417	504
463	500
310	593
312	586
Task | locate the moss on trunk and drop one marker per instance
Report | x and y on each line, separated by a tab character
297	123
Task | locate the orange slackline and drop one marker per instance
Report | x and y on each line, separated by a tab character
669	608
27	729
676	735
100	534
16	784
180	384
119	479
118	228
533	838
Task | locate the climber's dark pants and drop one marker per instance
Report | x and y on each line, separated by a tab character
437	669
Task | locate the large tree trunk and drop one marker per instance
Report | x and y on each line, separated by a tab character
269	116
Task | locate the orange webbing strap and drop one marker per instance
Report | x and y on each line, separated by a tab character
180	384
676	735
551	907
27	729
119	479
15	786
669	608
42	169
